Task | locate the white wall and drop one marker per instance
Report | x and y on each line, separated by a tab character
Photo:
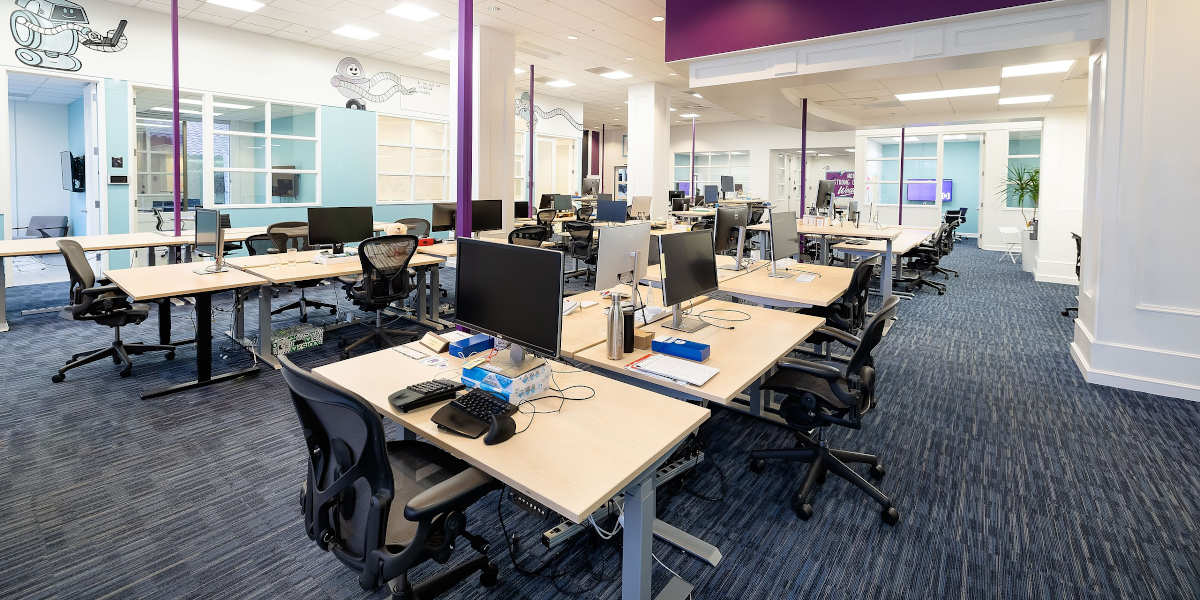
37	134
758	139
612	155
1060	205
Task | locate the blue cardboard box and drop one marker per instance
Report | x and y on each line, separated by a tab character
681	348
472	345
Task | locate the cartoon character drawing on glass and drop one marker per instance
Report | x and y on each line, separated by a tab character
352	82
48	32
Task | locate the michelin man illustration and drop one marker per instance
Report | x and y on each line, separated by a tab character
352	82
48	33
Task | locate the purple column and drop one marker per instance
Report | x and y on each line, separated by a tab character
466	56
900	195
529	155
692	172
803	153
175	123
602	158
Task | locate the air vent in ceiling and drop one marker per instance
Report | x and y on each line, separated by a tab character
543	79
599	70
536	50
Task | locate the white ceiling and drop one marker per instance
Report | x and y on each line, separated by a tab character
49	90
609	32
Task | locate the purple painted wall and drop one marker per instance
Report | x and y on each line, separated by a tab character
703	27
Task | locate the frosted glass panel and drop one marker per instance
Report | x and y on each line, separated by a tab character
394	189
394	159
395	131
429	162
430	189
427	133
683	159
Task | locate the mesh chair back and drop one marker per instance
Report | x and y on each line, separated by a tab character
160	224
859	291
385	266
872	334
530	235
581	237
80	271
295	231
584	213
756	215
701	224
416	226
263	243
347	465
545	217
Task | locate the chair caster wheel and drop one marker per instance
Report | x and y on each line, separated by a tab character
802	509
333	311
821	478
345	354
116	359
890	515
877	472
57	377
941	293
170	356
757	465
304	319
490	575
126	372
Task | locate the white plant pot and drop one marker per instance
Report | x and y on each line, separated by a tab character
1029	250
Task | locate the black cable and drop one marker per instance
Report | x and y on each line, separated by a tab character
537	572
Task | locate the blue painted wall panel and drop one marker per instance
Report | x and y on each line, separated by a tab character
75	143
116	132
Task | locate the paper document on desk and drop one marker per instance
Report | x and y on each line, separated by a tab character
806	277
454	336
674	369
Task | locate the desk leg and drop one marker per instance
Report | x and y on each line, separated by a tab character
885	278
637	541
264	325
173	255
3	299
203	354
422	296
824	249
239	315
435	290
152	258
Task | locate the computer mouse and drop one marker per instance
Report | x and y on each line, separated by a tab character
502	427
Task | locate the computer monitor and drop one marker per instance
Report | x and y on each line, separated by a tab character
521	209
785	241
710	194
210	238
622	255
486	215
445	214
726	184
611	211
339	226
513	293
546	201
590	187
563	202
689	269
641	206
824	194
683	187
604	197
730	232
677	200
737	188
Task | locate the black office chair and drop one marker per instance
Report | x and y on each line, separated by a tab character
924	259
382	507
296	233
1078	262
530	235
819	394
584	213
266	243
580	245
416	226
702	224
105	304
847	313
545	217
385	279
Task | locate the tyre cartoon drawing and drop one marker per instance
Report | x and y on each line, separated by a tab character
352	82
49	32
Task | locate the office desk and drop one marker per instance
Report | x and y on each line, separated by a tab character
90	243
885	234
759	287
694	214
654	272
909	238
573	462
587	327
274	270
743	354
169	281
445	249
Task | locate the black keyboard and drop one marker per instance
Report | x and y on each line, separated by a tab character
471	413
423	394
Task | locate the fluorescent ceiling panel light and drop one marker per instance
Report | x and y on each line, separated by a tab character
958	93
518	70
182	111
630	58
672	110
355	32
153	120
412	12
657	19
1027	99
849	149
440	54
1054	66
823	154
572	37
907	139
690	116
697	95
242	5
560	83
616	75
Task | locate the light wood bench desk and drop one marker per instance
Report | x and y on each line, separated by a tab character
885	234
654	272
759	287
573	461
587	327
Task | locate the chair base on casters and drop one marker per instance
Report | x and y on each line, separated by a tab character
1067	311
385	338
827	460
489	575
304	304
119	353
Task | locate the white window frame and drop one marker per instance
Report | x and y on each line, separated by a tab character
412	174
1008	160
575	162
210	169
700	183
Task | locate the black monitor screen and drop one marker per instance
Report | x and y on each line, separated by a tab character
612	211
486	215
729	218
710	194
208	229
444	215
824	193
726	183
547	201
689	266
512	292
563	202
521	209
340	225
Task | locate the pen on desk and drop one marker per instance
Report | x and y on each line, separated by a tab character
630	365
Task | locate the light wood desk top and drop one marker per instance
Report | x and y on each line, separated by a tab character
572	461
444	249
847	230
821	291
654	272
112	241
669	230
587	327
742	354
908	239
275	268
694	213
165	281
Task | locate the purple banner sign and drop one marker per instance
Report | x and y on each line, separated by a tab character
697	28
843	183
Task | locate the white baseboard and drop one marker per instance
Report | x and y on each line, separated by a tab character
1082	347
1063	279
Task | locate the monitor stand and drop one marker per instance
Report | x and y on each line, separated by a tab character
737	263
682	323
513	363
207	269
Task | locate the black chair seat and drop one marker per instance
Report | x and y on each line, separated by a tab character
416	467
787	381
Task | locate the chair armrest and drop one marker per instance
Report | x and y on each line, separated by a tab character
448	494
812	368
101	290
841	336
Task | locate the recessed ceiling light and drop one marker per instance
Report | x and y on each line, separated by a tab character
699	96
518	70
657	19
628	58
672	110
440	54
823	154
572	37
560	83
1055	66
412	12
1027	99
355	32
673	74
154	120
182	111
849	149
242	5
616	75
690	116
958	93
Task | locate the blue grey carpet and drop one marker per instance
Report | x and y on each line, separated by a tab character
1014	478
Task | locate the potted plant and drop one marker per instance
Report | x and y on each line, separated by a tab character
1024	183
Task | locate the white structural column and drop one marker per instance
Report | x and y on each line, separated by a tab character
650	145
492	120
